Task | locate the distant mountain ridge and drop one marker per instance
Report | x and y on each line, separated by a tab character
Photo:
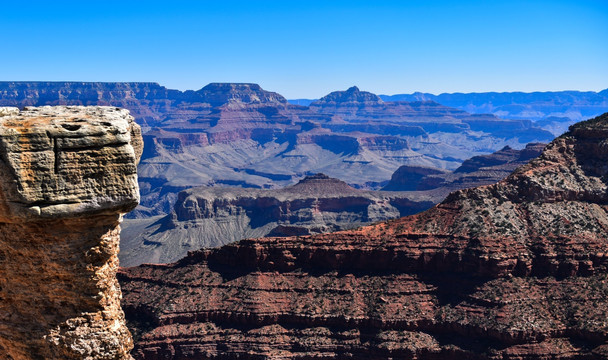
573	105
552	110
351	95
239	134
13	93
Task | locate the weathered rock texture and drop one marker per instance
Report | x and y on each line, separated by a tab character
515	270
67	174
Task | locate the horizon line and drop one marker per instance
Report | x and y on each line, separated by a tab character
307	98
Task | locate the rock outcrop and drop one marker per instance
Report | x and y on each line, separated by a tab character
409	177
477	171
67	174
242	135
211	216
515	270
506	157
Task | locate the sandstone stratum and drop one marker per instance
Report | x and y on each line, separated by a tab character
515	270
207	217
67	175
210	216
239	134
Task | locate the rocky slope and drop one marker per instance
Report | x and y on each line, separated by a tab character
408	177
67	175
211	217
242	135
515	270
477	171
214	216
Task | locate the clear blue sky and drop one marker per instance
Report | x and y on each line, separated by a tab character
305	49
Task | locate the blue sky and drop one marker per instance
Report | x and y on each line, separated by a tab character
305	49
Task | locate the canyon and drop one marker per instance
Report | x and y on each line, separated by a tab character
551	110
514	270
214	216
477	171
211	216
67	176
229	134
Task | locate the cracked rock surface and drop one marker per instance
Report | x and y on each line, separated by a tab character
67	175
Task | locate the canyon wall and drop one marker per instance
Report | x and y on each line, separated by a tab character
476	171
239	134
211	216
514	270
67	175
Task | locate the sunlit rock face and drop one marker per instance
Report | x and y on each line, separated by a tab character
67	175
514	270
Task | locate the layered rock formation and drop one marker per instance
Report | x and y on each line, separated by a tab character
242	135
67	174
552	109
516	270
211	217
477	171
408	177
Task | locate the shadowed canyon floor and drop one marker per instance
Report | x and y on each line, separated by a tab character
515	270
211	216
214	216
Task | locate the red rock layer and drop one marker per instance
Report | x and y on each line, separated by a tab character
516	270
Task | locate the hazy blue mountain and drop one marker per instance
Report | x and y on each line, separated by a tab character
573	105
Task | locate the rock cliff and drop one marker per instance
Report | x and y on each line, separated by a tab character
477	171
211	217
242	135
67	174
515	270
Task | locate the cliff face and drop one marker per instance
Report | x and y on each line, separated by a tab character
224	93
67	174
477	171
516	270
241	134
210	217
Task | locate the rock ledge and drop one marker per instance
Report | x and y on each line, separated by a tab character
67	174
